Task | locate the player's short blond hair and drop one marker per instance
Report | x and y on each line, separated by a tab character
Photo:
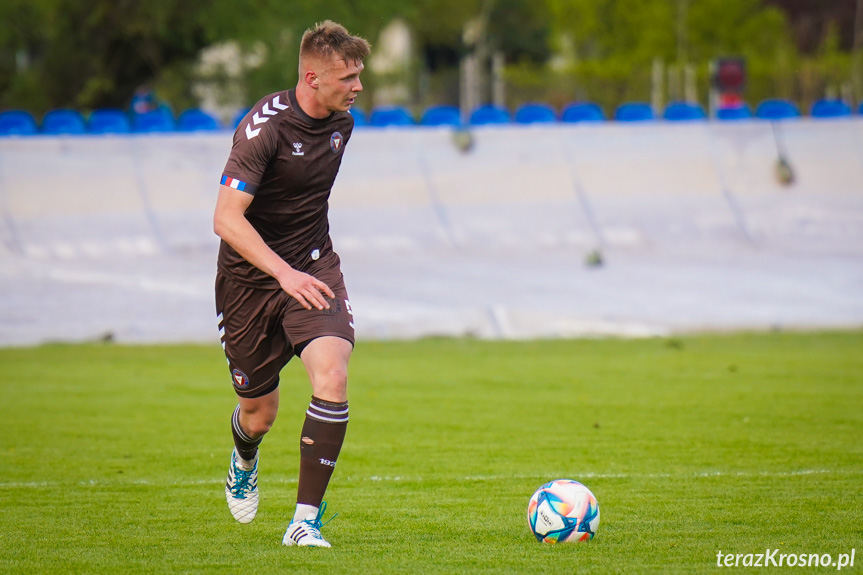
327	39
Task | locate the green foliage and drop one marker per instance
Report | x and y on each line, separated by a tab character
638	31
441	22
273	28
608	49
68	53
59	53
115	456
91	54
737	28
520	29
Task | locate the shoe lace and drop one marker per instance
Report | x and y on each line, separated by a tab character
242	479
315	523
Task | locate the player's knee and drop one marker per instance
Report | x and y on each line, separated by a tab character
258	425
334	378
258	428
338	375
331	386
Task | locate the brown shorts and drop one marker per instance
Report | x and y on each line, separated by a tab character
262	329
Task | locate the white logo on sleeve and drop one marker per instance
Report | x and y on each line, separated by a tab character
258	119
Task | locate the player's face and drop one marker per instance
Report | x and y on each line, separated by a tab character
339	84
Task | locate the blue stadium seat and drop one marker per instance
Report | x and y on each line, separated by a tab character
109	121
683	112
634	112
777	109
737	113
535	113
17	123
360	118
383	116
159	120
489	114
195	120
441	116
830	109
582	112
63	122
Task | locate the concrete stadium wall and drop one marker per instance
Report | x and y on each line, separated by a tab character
111	236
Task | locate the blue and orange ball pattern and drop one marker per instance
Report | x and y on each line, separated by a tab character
563	510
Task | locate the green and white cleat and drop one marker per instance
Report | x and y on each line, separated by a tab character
307	533
241	490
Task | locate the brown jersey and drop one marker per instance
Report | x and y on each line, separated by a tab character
288	161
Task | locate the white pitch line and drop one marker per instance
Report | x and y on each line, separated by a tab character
417	479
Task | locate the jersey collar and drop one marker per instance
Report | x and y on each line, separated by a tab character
292	97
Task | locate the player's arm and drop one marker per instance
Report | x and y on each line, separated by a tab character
230	224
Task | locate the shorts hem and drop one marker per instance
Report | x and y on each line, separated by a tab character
259	391
298	349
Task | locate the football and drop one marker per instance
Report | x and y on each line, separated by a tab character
563	510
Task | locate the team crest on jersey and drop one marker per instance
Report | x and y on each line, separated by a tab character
241	380
336	142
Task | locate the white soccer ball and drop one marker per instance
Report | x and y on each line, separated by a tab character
563	510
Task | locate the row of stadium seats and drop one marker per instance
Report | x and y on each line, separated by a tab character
105	121
115	121
774	109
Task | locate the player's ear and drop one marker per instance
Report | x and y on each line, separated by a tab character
311	79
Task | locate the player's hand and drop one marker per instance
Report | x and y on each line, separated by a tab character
306	289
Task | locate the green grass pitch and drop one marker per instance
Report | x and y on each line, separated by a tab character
114	457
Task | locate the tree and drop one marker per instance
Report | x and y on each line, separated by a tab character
95	53
613	44
811	22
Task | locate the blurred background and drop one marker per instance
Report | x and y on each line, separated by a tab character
519	169
221	55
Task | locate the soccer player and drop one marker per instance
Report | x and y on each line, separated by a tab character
279	287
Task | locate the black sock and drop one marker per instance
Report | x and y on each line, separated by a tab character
320	443
246	446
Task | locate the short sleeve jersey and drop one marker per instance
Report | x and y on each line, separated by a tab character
288	161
